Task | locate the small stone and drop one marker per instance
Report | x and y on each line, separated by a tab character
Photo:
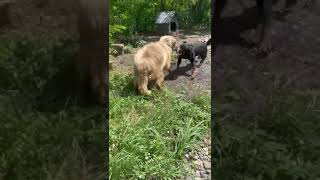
202	173
206	150
119	49
207	165
207	141
194	156
198	173
187	156
198	163
110	64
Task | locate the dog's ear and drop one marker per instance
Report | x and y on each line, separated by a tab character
166	40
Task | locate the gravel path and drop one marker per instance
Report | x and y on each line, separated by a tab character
198	162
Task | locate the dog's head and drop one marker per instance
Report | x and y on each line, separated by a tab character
183	49
169	40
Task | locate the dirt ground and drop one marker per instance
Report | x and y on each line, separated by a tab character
52	18
295	59
178	80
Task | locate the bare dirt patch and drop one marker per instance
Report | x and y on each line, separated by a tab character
178	80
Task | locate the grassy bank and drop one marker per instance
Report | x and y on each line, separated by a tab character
150	135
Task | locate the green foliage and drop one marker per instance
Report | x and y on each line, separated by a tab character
114	30
148	136
132	16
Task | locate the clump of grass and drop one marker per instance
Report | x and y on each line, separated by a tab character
149	135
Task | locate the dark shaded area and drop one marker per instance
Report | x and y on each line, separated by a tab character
266	116
181	71
5	13
234	26
237	25
45	133
173	27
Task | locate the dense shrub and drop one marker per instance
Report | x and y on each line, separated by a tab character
130	17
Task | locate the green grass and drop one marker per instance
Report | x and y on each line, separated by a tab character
149	135
275	139
67	142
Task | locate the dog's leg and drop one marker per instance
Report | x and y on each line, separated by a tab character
159	80
193	64
264	26
99	89
179	62
203	57
143	87
167	66
193	71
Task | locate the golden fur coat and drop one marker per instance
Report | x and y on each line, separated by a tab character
150	63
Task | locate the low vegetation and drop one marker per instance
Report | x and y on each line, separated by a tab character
61	141
150	135
276	139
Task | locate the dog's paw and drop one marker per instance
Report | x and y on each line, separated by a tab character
265	47
146	93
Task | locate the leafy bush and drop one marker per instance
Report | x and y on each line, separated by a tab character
128	18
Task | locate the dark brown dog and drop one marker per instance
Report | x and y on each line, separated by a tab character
92	67
263	29
191	51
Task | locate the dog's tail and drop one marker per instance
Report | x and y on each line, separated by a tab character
208	42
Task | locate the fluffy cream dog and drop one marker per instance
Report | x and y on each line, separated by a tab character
150	62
